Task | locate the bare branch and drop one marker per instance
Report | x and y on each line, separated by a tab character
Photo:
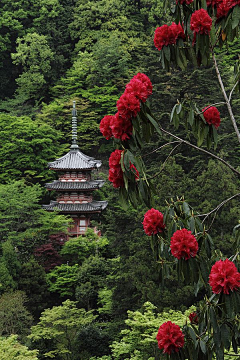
161	147
202	150
225	97
163	165
230	95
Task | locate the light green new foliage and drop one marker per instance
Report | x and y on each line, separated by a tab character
138	341
60	326
11	349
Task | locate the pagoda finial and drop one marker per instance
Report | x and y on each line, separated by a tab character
74	127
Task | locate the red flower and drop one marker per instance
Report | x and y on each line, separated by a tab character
145	80
167	35
115	170
121	127
153	222
138	89
224	277
184	2
212	116
223	7
105	126
163	36
115	158
134	171
183	244
128	105
116	176
170	338
200	22
177	31
193	318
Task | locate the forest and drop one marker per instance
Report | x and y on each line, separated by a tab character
104	297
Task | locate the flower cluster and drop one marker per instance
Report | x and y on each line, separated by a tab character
115	170
200	22
168	35
153	222
212	116
224	277
183	244
193	318
223	6
119	125
170	338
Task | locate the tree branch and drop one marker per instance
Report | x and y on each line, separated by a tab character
202	150
225	97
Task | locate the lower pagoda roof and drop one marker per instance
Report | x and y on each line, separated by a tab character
91	207
75	185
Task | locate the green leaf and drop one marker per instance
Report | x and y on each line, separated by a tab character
235	16
155	124
213	34
172	112
167	53
203	346
191	117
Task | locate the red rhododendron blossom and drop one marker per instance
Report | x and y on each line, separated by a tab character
163	36
115	170
187	2
168	35
134	171
183	244
212	116
224	277
177	30
193	318
170	338
200	22
146	81
116	177
121	127
223	7
213	2
115	158
138	89
153	222
105	126
128	105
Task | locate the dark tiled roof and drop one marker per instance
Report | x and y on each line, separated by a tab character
94	206
75	185
75	160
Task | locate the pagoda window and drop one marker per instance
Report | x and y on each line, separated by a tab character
83	225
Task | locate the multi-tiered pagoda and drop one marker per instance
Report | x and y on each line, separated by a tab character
75	186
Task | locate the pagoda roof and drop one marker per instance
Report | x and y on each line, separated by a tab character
75	185
94	206
75	160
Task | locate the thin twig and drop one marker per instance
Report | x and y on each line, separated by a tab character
161	147
230	95
218	207
219	103
163	165
202	150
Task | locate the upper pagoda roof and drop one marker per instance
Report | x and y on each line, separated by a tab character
74	185
75	160
92	207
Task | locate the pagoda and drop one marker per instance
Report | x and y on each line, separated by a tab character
75	186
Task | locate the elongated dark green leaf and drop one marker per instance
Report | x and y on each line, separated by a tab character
235	16
155	124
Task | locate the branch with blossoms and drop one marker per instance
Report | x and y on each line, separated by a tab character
178	237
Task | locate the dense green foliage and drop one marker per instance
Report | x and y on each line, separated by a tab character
101	298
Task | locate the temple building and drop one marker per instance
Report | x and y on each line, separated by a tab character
75	185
